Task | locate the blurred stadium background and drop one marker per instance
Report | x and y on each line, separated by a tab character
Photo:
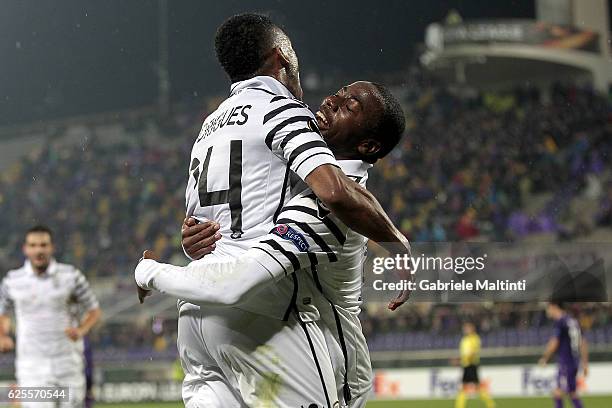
509	110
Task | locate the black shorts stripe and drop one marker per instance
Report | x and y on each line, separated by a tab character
316	360
291	257
277	128
309	157
346	389
293	134
312	234
330	224
273	257
272	114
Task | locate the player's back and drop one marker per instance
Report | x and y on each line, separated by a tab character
239	168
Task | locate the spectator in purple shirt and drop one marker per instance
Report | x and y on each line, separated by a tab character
571	349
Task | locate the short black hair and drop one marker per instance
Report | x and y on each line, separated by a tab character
390	126
40	228
241	44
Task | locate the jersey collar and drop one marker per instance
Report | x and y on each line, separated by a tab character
50	269
356	168
266	83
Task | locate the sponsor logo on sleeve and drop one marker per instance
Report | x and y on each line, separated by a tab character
286	232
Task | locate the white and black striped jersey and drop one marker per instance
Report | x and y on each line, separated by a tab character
242	160
329	259
43	308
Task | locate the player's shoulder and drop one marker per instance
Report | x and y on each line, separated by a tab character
273	107
280	108
67	269
15	273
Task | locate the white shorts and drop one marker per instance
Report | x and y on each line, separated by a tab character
63	372
235	358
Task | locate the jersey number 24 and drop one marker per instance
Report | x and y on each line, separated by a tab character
231	195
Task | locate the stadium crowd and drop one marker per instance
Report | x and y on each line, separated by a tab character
469	164
466	169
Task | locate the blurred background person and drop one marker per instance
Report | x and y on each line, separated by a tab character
49	345
572	354
469	351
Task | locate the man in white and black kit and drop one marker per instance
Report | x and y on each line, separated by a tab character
49	346
362	122
239	176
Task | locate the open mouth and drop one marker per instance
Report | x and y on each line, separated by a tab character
322	120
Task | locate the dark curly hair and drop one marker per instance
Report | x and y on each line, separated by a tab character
241	43
390	126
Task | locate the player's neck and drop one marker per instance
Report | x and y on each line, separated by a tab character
40	270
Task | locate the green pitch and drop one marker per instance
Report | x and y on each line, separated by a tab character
589	402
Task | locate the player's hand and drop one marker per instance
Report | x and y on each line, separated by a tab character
6	344
585	370
401	298
199	239
73	333
542	362
143	293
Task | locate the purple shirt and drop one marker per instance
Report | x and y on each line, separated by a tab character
567	331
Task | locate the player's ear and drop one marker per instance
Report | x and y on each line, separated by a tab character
369	148
283	58
274	61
